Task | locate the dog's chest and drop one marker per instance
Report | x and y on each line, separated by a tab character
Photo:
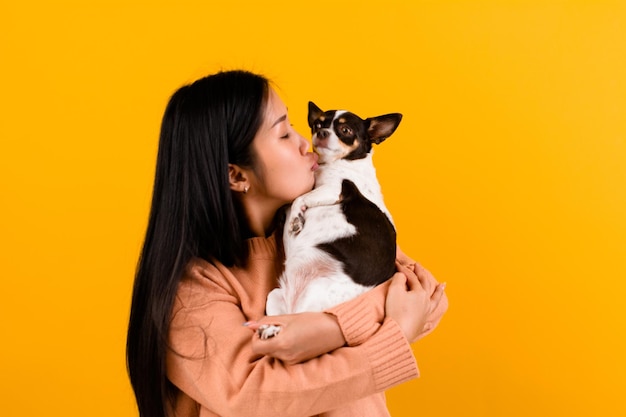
361	173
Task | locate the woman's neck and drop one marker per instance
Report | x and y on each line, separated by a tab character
260	218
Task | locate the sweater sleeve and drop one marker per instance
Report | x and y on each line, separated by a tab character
361	317
210	359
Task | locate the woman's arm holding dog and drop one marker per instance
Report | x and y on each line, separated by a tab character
412	298
307	335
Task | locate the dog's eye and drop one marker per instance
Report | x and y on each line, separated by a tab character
317	125
345	130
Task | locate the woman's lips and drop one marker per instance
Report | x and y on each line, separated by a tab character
315	166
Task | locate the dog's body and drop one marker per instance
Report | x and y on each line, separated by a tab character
339	239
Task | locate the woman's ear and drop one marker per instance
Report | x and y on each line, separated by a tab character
238	179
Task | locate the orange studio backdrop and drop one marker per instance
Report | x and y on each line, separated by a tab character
506	178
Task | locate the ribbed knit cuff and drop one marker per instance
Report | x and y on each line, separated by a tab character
361	317
391	356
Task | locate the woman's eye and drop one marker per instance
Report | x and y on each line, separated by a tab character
286	135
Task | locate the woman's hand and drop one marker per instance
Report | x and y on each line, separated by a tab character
302	337
412	297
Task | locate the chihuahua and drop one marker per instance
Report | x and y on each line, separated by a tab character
339	239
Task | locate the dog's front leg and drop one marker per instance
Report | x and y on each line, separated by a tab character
326	195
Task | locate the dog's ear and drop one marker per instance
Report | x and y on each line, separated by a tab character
314	113
381	127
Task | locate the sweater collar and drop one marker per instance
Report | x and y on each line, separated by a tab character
262	247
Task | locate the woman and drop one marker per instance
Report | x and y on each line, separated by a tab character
228	161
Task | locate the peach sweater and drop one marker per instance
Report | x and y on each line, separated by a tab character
216	373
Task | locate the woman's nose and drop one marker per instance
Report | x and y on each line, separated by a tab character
304	144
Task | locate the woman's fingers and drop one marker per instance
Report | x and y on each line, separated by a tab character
426	278
437	296
252	325
410	280
399	279
415	300
438	292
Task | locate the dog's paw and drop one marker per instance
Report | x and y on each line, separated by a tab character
296	224
296	217
267	331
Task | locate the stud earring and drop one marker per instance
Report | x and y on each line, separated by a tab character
245	189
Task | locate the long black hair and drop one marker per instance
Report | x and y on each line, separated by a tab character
207	125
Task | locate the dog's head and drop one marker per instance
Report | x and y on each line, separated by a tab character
339	134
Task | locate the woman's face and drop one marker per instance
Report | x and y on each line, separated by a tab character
284	168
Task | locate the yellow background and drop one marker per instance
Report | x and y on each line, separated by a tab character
507	178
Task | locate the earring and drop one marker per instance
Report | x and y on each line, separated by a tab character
245	189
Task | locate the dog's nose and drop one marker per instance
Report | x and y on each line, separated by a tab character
321	138
322	134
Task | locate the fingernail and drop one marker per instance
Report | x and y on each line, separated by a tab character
248	323
443	285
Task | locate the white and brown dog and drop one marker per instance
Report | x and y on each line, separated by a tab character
339	239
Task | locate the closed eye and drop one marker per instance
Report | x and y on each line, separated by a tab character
286	135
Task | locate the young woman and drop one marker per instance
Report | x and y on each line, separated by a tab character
228	161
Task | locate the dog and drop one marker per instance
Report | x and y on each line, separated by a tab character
339	239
